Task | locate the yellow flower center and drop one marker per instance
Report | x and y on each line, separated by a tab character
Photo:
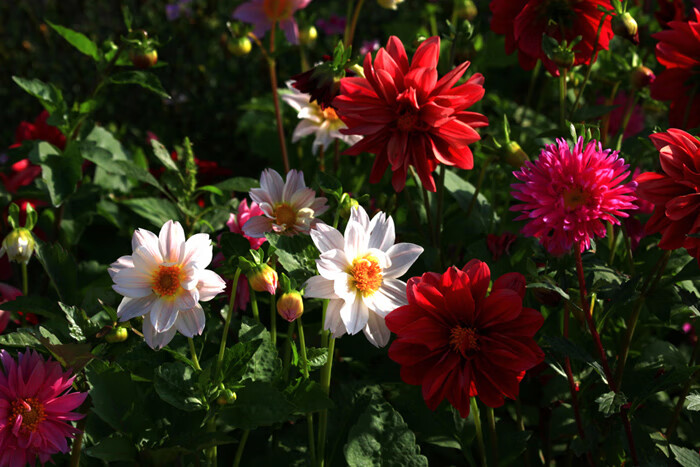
575	198
366	274
31	411
166	280
285	215
329	114
464	340
277	9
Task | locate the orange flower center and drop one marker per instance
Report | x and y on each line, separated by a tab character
329	114
166	281
285	215
464	340
367	275
31	411
575	198
277	9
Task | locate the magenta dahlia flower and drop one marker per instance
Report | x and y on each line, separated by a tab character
35	409
568	193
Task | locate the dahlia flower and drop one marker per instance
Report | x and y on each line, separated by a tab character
236	221
568	193
457	343
675	192
36	401
679	51
525	21
359	274
409	117
323	123
39	130
264	14
289	207
164	279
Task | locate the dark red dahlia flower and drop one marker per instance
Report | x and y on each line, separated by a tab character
407	116
669	10
679	51
458	343
676	192
525	21
39	130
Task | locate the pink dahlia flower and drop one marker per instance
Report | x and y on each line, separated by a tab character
35	409
568	193
263	14
236	222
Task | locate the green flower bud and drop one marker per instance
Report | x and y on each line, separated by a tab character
466	9
308	35
514	155
118	334
19	245
239	46
625	26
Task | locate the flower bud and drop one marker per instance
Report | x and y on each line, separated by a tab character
563	58
466	9
19	245
641	77
308	35
389	4
263	279
514	155
239	46
226	397
346	205
117	334
625	26
290	305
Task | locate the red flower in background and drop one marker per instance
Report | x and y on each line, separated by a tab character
499	245
458	343
676	192
679	51
669	10
7	294
525	21
39	130
408	117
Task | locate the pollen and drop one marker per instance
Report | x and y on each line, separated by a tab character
464	340
166	280
31	411
285	215
329	114
366	274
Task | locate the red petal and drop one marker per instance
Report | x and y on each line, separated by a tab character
502	305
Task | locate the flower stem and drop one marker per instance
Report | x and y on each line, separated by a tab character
479	432
590	65
521	426
254	305
625	121
272	66
325	385
479	184
77	443
305	370
570	379
241	447
273	320
562	96
193	352
229	313
686	389
440	207
491	420
353	24
288	350
25	281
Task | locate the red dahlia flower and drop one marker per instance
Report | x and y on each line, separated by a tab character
679	51
568	193
525	21
676	192
39	130
458	343
409	117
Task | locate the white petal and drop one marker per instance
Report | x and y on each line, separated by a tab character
303	199
319	206
210	285
294	183
390	296
154	339
190	322
382	234
145	261
356	240
402	256
257	226
272	183
358	214
319	287
163	314
186	299
171	241
304	128
132	278
344	287
267	209
354	314
132	292
260	196
312	113
147	239
376	331
332	264
198	250
333	321
133	307
327	238
124	262
296	101
191	277
381	257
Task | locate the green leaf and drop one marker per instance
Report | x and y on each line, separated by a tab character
309	396
142	78
163	155
463	192
295	254
239	184
693	402
610	402
330	185
594	111
61	269
156	210
78	40
174	383
258	404
381	437
316	357
48	94
112	449
60	172
548	286
103	158
42	306
685	457
236	360
79	325
211	189
21	338
233	245
103	387
566	348
265	364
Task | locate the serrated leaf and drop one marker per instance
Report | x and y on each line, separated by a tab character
142	78
163	155
60	172
265	364
78	40
156	210
258	403
236	360
238	184
103	158
103	387
79	325
685	457
693	402
233	245
21	338
48	94
610	402
548	286
330	185
174	383
316	357
309	396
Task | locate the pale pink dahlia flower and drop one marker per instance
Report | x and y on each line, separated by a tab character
35	409
290	207
568	193
236	222
263	14
164	279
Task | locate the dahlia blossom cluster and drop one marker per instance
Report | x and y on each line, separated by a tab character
568	193
36	408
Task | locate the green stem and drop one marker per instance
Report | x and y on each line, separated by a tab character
353	24
241	447
229	313
325	385
193	352
521	426
479	183
491	420
562	96
25	281
77	443
288	350
686	389
590	65
531	89
426	205
254	305
302	344
275	100
625	121
440	206
479	432
273	320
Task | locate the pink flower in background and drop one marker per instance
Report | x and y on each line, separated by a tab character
36	403
617	115
335	25
369	46
7	294
263	14
236	222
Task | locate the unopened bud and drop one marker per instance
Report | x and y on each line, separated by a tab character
263	279
641	77
625	26
19	245
117	334
226	397
239	46
290	305
564	58
389	4
346	205
308	35
466	9
514	155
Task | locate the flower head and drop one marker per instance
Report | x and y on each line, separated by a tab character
263	279
321	122
164	279
264	14
458	343
523	22
236	222
19	245
290	305
675	192
289	207
568	193
36	403
679	51
359	274
39	130
407	116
